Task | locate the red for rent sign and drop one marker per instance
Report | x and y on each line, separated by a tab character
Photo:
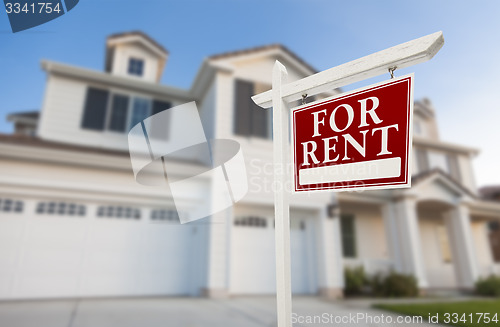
359	139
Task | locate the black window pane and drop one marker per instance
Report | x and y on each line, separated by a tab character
136	66
119	111
243	107
159	106
348	236
159	130
40	208
19	206
95	109
140	110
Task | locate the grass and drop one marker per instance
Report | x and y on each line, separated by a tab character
462	309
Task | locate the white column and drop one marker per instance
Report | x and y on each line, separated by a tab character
389	214
411	247
218	254
462	246
331	277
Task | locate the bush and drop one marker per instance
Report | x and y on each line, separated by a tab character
488	286
355	280
395	285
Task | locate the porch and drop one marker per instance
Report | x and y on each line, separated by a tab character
433	231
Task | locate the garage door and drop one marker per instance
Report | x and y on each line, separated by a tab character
66	249
253	257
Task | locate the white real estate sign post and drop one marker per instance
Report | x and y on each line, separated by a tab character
400	56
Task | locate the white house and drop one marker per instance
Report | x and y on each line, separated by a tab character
74	223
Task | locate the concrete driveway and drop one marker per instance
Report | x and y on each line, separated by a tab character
186	312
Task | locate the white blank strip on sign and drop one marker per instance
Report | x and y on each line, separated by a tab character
373	169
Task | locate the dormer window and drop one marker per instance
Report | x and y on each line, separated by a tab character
135	66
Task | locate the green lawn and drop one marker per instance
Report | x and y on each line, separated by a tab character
463	310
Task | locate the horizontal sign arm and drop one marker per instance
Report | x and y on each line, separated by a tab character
400	56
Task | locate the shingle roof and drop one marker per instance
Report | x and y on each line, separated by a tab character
262	48
24	140
138	33
25	114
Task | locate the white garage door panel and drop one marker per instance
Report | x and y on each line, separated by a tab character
8	259
44	256
46	285
253	256
111	262
299	264
51	261
116	234
6	282
111	284
155	283
10	231
46	232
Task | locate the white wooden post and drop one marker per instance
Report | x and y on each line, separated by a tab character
400	56
281	198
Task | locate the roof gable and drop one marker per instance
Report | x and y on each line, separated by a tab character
272	50
438	185
137	37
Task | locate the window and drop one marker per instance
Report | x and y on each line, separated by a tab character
9	205
135	66
249	119
444	243
119	110
417	128
453	167
159	106
164	215
251	221
422	160
122	112
140	111
158	129
118	212
60	208
94	112
348	235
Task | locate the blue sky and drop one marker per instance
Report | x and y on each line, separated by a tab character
461	80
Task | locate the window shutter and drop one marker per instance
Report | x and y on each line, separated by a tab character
94	112
119	109
242	108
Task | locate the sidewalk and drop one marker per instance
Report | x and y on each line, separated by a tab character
182	312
